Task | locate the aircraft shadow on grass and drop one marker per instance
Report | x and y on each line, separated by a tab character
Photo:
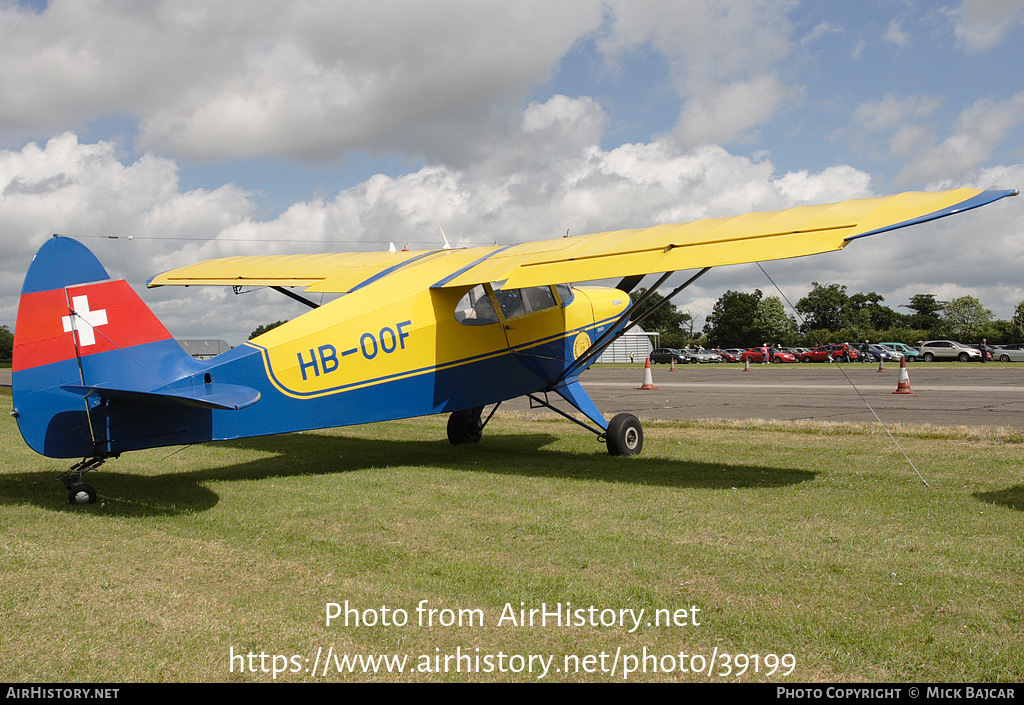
1011	497
524	455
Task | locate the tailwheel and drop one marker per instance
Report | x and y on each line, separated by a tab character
625	435
465	426
81	495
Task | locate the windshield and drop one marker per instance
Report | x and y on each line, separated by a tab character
475	308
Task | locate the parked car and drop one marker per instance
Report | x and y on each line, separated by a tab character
667	355
774	354
948	350
908	352
702	355
820	354
1007	353
988	351
728	355
872	352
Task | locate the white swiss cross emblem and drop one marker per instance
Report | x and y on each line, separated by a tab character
86	321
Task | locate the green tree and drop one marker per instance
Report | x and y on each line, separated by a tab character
878	316
1017	324
6	344
670	322
771	323
826	307
926	312
731	322
265	327
964	318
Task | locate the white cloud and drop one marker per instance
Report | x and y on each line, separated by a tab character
984	24
722	58
978	132
309	80
83	190
895	34
724	114
820	31
891	112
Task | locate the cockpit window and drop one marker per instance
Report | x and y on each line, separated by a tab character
538	298
519	302
511	302
475	308
564	293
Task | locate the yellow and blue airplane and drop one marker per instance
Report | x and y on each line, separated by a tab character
95	374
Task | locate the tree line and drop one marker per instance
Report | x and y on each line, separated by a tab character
6	344
829	314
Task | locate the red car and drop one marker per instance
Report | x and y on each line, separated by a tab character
727	356
820	354
774	354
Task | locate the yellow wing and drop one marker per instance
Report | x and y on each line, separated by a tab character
755	237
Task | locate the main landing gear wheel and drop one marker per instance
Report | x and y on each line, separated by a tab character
81	494
465	427
625	435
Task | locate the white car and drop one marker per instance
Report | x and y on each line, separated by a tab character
947	350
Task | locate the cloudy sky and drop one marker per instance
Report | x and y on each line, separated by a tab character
209	129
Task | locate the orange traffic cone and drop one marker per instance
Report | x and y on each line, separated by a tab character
746	364
881	367
903	386
672	367
648	381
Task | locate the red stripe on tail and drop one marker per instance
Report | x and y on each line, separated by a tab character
97	317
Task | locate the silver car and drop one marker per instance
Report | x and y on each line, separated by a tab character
947	350
701	355
1006	354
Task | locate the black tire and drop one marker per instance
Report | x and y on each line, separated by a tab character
80	495
928	357
625	435
963	357
465	427
1004	358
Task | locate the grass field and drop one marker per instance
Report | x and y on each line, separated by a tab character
812	541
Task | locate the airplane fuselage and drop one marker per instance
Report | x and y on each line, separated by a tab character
360	358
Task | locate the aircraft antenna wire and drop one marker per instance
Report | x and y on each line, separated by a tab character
854	386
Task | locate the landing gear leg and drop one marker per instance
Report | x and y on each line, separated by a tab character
624	434
79	493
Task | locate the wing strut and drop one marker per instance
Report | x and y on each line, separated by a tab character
609	336
293	295
668	298
614	332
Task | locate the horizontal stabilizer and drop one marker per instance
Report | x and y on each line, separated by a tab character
231	397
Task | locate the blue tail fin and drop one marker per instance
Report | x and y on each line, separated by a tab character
92	362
